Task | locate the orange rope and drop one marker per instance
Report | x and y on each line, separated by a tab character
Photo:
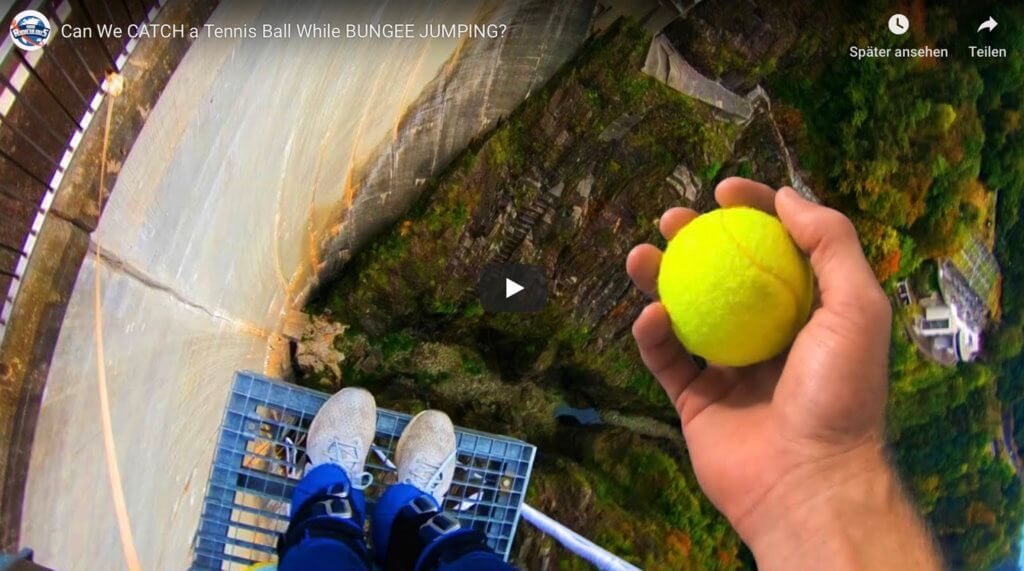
131	555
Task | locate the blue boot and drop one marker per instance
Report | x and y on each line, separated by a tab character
328	508
410	529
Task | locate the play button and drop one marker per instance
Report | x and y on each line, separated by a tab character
512	288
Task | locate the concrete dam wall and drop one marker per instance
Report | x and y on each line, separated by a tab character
485	81
222	216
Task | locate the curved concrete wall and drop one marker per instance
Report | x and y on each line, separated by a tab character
486	81
213	231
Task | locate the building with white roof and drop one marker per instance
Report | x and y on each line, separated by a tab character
948	330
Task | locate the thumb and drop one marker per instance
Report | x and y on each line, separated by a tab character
829	239
836	368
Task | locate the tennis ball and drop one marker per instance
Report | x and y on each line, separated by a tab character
735	286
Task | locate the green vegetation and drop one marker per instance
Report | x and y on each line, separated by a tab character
1003	167
649	507
943	424
915	152
418	337
895	143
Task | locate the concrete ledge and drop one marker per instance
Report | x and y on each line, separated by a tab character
666	65
38	313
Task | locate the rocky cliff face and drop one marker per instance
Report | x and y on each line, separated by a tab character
740	41
571	181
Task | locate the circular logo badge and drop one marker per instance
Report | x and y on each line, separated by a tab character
30	30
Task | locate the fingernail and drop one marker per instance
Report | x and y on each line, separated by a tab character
791	193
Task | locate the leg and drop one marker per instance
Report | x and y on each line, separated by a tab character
410	531
328	506
417	535
326	528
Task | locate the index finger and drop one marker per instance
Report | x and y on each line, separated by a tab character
673	220
736	191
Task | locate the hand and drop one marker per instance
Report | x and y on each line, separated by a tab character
780	444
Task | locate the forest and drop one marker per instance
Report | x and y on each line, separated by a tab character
923	155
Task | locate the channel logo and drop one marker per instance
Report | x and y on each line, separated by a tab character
30	30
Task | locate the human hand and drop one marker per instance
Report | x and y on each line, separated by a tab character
775	442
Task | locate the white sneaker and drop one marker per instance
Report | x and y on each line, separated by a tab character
425	454
341	433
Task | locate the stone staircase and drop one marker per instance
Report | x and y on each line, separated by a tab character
517	230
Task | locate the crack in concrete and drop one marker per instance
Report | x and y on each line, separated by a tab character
78	224
115	262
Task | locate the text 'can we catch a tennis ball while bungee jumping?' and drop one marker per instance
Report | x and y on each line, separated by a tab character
736	287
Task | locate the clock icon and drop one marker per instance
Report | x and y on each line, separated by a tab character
899	24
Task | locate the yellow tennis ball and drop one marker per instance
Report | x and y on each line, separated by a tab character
735	286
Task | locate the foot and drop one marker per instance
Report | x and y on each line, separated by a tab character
425	454
342	432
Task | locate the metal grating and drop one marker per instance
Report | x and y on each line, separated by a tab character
261	451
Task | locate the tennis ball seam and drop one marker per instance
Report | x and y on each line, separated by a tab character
793	295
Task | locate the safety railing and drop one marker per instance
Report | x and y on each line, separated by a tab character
48	97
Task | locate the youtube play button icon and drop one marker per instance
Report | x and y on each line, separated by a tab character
512	288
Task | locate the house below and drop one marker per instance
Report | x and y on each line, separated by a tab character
950	334
950	322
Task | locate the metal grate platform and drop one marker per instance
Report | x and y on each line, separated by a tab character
261	452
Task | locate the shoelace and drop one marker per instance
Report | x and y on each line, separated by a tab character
348	457
430	473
